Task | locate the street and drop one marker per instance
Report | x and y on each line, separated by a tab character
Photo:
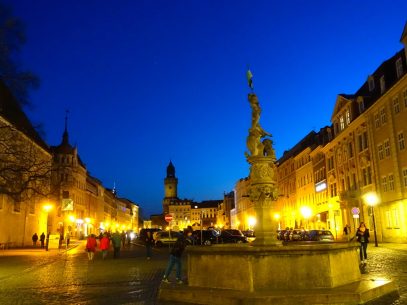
67	277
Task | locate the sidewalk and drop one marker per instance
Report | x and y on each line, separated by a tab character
30	250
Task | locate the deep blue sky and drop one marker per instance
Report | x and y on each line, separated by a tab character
149	81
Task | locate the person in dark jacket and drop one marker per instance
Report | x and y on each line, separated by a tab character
149	242
362	235
42	240
35	239
175	256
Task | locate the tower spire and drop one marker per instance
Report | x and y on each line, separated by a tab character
65	139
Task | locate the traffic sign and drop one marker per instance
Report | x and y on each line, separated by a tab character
168	217
355	211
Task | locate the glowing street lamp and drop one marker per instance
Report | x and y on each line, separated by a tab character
47	207
251	222
371	200
306	213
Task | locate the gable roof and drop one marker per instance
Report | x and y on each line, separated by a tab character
11	111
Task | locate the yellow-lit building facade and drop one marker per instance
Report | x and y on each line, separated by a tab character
69	201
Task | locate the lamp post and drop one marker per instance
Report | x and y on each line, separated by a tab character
47	207
371	200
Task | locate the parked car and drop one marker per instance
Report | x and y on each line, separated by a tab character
320	235
250	235
162	238
298	234
143	233
232	236
208	237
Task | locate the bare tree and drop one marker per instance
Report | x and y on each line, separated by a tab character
25	168
12	38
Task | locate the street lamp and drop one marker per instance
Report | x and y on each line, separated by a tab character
306	213
47	207
371	200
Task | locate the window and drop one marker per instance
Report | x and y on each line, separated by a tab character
333	190
388	219
361	106
367	176
396	222
376	120
17	206
396	105
387	148
400	138
405	98
362	141
347	117
32	207
380	151
399	68
330	163
383	116
391	182
382	85
371	83
354	185
405	177
384	184
342	122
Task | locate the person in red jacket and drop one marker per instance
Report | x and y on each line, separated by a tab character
104	245
91	245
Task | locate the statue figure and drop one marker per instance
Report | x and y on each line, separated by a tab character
268	149
256	132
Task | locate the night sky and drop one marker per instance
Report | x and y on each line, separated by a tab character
149	81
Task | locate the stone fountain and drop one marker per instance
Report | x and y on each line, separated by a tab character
266	271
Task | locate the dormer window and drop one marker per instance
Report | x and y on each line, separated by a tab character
361	106
382	85
370	82
399	68
342	123
347	117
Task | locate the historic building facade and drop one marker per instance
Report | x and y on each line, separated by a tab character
362	152
52	190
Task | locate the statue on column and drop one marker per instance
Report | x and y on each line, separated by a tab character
254	142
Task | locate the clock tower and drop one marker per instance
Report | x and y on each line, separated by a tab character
170	187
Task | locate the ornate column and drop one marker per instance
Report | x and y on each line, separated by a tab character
263	186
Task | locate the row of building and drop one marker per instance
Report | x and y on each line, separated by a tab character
48	188
324	179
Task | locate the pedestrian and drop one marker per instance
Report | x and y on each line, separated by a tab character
116	241
362	235
104	245
346	232
123	237
91	245
61	239
176	256
149	243
35	239
42	240
67	238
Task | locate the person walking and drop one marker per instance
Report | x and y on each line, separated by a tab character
67	238
175	257
149	243
362	235
35	239
346	232
116	241
42	240
91	245
104	245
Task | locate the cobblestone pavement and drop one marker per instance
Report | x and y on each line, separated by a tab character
39	277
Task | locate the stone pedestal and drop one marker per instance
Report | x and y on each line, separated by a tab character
326	273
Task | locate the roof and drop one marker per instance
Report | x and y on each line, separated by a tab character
13	113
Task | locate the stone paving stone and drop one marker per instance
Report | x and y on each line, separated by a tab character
72	279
